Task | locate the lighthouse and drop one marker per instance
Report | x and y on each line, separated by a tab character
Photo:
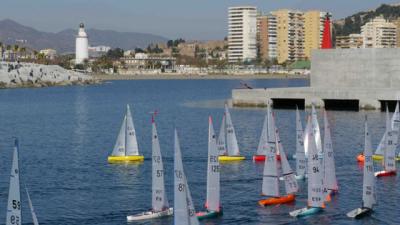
81	45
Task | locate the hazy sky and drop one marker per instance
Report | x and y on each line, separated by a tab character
190	19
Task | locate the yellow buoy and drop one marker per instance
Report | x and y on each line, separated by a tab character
125	159
227	158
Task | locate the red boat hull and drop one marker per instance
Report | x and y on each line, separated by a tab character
385	173
259	158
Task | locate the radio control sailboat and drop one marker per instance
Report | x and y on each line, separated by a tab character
369	192
232	152
126	147
270	186
160	206
213	203
315	179
184	212
389	154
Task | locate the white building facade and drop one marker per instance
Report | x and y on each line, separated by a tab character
242	34
379	33
81	46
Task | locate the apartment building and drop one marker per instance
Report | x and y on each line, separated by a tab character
379	33
350	41
242	33
290	35
313	31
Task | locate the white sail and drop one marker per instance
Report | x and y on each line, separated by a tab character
315	128
14	197
315	176
231	141
191	211
306	136
300	154
131	141
34	217
213	174
390	150
159	197
270	185
119	147
184	212
395	122
369	194
330	181
221	142
291	185
271	129
381	146
263	143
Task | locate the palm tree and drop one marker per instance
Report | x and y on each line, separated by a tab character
23	51
16	51
8	47
1	50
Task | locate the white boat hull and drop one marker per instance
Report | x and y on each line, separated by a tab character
358	213
150	215
301	177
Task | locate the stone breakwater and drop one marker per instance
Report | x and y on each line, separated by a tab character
14	75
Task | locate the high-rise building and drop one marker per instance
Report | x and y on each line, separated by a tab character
81	45
379	33
272	37
242	34
262	37
290	35
313	30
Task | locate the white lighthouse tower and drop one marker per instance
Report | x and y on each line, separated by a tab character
81	45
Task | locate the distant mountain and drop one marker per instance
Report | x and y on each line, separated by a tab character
353	23
12	32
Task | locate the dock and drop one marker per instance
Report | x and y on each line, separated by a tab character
351	79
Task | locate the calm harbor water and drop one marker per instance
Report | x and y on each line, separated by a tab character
66	134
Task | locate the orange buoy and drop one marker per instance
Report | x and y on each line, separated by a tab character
277	200
360	158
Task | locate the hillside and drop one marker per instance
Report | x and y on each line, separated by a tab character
64	41
353	23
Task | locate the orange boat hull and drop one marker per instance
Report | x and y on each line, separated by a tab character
276	201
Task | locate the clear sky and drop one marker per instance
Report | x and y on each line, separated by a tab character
190	19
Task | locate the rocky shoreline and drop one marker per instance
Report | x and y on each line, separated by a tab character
30	75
